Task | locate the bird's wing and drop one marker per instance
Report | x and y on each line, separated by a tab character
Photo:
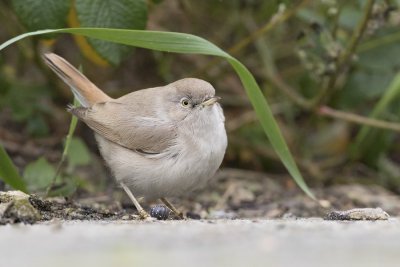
117	123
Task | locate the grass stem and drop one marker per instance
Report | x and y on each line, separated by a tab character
72	127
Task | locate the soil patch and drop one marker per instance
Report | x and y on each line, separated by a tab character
231	194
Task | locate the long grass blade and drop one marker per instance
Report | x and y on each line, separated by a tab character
191	44
8	173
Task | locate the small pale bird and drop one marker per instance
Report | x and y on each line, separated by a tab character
158	142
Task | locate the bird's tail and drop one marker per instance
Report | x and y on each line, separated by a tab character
84	90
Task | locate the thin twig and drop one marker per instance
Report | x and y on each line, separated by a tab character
326	111
358	33
328	89
246	41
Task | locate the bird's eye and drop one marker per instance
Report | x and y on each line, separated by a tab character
185	102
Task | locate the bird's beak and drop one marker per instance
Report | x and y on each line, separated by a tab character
211	101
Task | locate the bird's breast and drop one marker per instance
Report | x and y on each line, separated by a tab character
203	142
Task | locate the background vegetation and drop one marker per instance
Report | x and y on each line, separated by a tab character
328	69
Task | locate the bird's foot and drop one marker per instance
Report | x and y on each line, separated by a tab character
143	215
173	209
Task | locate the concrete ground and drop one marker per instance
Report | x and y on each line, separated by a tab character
302	242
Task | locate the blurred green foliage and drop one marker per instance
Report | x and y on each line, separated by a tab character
38	175
78	154
118	14
52	14
25	104
295	58
42	14
190	44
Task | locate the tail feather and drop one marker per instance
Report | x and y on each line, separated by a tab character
84	90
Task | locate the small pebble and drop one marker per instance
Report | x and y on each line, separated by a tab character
368	214
160	212
126	217
193	216
325	203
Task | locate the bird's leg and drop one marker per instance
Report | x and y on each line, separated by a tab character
142	213
172	208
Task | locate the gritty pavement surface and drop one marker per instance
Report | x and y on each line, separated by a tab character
302	242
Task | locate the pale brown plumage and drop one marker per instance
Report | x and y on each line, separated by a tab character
134	128
84	89
158	142
147	134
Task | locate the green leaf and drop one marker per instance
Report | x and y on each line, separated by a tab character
121	14
363	86
78	153
38	174
191	44
42	14
8	173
